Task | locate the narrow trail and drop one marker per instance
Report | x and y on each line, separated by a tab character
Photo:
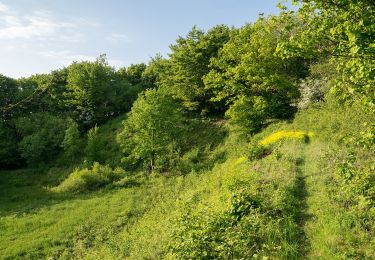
301	215
316	214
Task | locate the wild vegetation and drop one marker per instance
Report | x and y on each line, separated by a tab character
252	142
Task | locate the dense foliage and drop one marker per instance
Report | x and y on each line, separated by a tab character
248	74
152	130
41	135
250	142
189	63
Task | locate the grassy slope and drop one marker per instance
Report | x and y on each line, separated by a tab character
137	222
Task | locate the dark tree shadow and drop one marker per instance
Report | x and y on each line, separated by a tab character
301	215
26	191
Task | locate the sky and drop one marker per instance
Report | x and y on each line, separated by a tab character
38	36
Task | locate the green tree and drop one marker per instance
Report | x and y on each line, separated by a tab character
95	92
188	64
94	146
248	113
248	70
41	137
56	85
344	31
8	97
156	71
153	126
133	73
72	142
33	96
9	155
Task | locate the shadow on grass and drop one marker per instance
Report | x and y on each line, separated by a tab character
25	191
301	214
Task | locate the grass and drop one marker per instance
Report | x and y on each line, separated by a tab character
293	203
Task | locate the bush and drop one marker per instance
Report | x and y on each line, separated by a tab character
316	86
86	179
241	232
248	113
260	220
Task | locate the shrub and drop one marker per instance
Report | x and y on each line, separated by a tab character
311	92
248	113
239	233
90	179
315	87
258	222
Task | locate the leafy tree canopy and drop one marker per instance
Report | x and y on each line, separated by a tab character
188	64
247	69
343	30
152	126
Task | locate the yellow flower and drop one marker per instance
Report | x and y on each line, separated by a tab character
285	135
240	160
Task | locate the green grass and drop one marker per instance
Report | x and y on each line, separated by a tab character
293	203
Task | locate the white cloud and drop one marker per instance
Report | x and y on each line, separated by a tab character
116	63
38	41
117	38
10	20
3	7
40	25
67	57
37	25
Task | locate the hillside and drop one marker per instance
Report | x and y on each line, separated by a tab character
288	204
249	142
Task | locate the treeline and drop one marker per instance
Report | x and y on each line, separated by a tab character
253	75
40	114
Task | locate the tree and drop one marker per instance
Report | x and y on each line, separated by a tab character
9	155
151	129
343	31
133	73
56	85
156	71
188	64
41	137
71	142
95	92
134	81
29	95
94	146
8	96
248	113
247	72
